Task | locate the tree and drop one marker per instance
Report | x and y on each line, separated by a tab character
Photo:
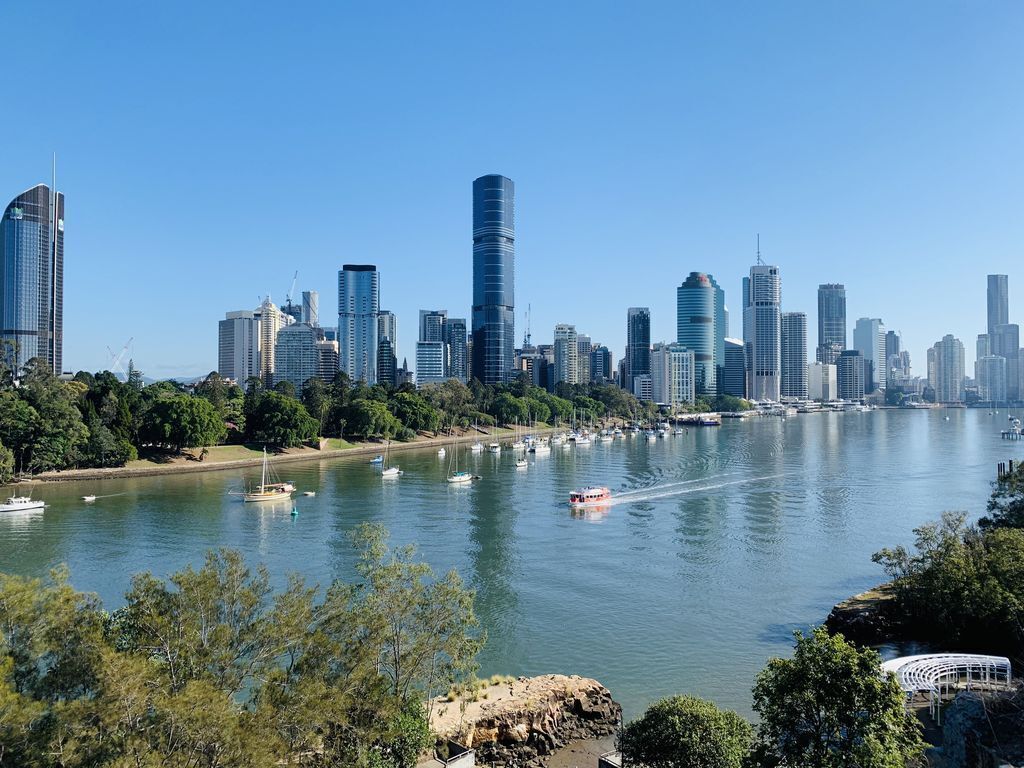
831	707
686	732
508	409
6	464
280	421
415	412
183	421
371	418
1006	504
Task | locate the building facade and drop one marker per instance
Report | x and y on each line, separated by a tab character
794	355
601	367
998	301
673	368
990	372
494	237
387	363
431	362
850	375
1004	341
735	380
822	382
358	307
271	321
32	279
326	359
311	308
296	359
831	322
458	349
869	339
238	346
700	318
762	333
948	355
583	348
387	328
567	354
638	344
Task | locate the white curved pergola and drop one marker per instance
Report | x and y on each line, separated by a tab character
935	674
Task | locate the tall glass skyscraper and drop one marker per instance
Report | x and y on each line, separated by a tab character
762	299
998	301
794	355
358	305
32	278
700	326
831	322
638	345
493	278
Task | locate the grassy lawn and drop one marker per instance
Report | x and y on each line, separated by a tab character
336	444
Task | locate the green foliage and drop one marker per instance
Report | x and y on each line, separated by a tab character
726	403
509	409
829	707
212	669
686	732
279	420
371	418
414	412
6	464
183	421
1006	504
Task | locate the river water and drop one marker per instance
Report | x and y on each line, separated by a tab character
721	542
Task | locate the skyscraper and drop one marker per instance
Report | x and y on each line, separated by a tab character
794	355
358	305
869	338
566	354
433	324
238	346
762	336
583	346
431	362
296	359
271	320
387	363
949	370
32	278
458	350
672	375
735	368
387	328
601	369
850	375
493	278
831	322
311	308
990	372
638	344
822	382
998	301
1004	341
700	317
326	359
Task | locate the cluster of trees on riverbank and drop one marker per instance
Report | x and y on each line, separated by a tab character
97	420
962	586
211	668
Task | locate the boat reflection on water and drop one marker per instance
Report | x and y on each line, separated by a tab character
592	513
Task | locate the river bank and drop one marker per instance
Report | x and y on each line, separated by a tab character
189	462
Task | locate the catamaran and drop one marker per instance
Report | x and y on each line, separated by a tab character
274	490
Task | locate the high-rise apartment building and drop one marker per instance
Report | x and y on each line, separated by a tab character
990	372
238	346
794	355
271	320
831	322
869	339
601	368
762	334
700	320
735	368
433	324
822	382
948	355
311	308
850	375
567	353
1004	341
672	375
431	362
326	359
493	278
584	346
387	328
296	359
998	301
32	278
358	306
638	345
458	349
387	363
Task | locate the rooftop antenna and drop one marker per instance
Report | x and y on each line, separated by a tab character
760	261
526	336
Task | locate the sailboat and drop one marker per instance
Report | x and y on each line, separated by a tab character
456	476
268	491
389	471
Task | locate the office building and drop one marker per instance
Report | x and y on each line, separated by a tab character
566	354
433	324
601	368
998	302
762	336
822	382
673	368
387	328
296	358
982	348
493	278
850	375
271	320
387	363
326	359
238	346
794	355
643	387
32	278
458	349
431	362
358	306
584	347
311	308
869	339
948	376
735	380
831	322
990	372
638	344
700	318
1004	341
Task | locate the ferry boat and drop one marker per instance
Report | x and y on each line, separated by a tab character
589	497
21	503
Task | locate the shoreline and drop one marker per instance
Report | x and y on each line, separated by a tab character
305	454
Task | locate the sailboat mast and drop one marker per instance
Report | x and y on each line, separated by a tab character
263	478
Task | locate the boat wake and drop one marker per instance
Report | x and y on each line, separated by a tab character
686	486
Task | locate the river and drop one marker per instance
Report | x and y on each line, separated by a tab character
721	543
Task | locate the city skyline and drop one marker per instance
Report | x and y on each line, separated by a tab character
853	195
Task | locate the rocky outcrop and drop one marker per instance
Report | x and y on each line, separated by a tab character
518	724
984	730
866	618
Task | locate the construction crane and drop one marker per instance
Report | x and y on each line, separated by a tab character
291	293
118	357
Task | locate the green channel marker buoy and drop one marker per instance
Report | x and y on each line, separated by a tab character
295	511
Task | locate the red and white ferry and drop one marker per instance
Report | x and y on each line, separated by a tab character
589	497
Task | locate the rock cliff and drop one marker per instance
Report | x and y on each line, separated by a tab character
866	618
517	724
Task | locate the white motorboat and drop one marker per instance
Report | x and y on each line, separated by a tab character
309	493
21	503
494	447
521	464
89	498
477	447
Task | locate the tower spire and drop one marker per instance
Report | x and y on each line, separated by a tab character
760	261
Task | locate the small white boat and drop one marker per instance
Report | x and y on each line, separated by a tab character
441	452
477	447
494	447
540	446
390	472
309	493
607	439
272	491
521	464
518	445
89	498
20	503
377	459
456	478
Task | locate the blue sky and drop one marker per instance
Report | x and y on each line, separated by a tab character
210	150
